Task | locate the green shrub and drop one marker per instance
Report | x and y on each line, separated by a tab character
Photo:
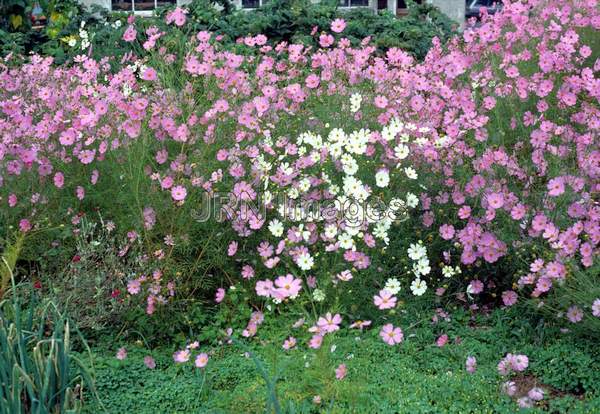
38	370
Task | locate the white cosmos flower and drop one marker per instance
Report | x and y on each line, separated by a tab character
412	200
447	271
418	287
346	241
276	228
401	151
393	286
382	178
416	251
411	173
305	261
330	231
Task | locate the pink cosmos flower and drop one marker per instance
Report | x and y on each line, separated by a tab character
329	323
471	364
133	286
596	308
574	314
220	295
536	394
519	362
181	356
509	297
475	287
287	286
340	371
447	231
121	354
556	187
59	180
232	248
391	335
385	300
509	388
360	324
130	34
289	343
315	342
264	288
442	340
495	200
178	193
149	74
201	360
338	25
24	225
176	16
149	362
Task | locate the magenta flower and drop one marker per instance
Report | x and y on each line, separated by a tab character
391	335
130	34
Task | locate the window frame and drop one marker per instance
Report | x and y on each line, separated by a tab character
350	6
261	3
139	12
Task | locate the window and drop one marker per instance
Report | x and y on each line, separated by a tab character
139	5
354	3
403	7
253	4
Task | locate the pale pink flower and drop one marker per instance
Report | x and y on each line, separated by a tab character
574	314
178	193
220	295
338	25
442	340
471	364
201	360
149	362
329	323
596	308
340	371
289	343
121	354
391	335
385	300
181	356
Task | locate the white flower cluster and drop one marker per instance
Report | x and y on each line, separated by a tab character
449	271
355	101
356	217
418	254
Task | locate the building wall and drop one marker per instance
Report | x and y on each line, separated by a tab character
455	9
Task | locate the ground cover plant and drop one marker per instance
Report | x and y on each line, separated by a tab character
197	194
